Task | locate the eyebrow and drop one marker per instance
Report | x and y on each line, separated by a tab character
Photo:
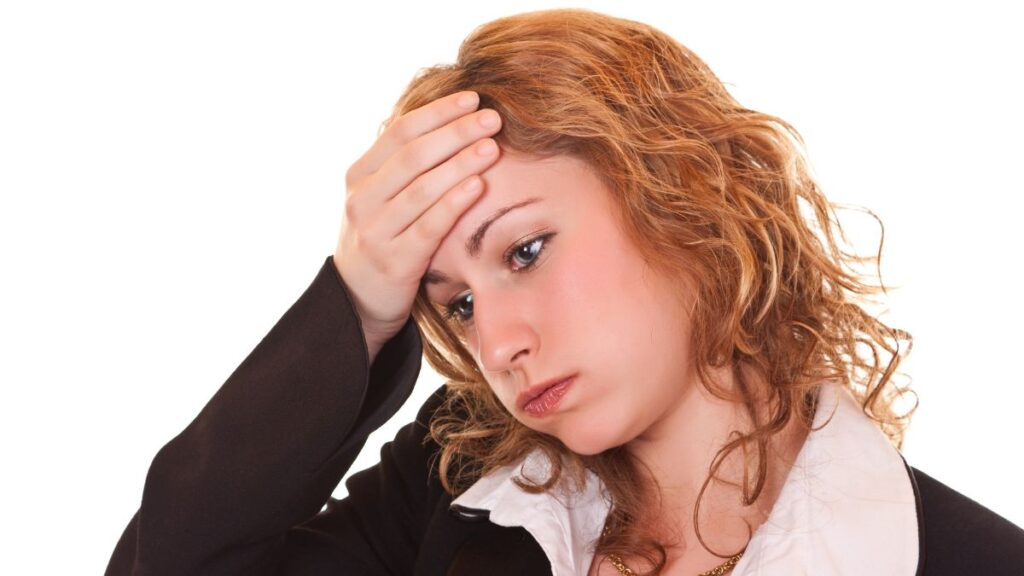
475	241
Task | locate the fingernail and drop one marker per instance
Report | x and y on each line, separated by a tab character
489	119
486	148
469	100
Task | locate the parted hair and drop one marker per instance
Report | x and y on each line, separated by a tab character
704	188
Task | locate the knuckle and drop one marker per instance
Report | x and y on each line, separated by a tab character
416	191
425	229
353	212
411	156
399	129
350	178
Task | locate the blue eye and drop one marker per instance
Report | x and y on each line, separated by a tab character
460	310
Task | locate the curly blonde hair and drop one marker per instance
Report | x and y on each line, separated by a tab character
705	187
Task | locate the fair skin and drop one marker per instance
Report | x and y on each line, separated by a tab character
590	307
585	302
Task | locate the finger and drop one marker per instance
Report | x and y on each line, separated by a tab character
429	151
410	126
422	238
423	192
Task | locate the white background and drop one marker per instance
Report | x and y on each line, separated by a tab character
172	179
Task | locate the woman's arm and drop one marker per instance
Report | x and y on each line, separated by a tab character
378	527
266	452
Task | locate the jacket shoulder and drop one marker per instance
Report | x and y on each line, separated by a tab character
960	536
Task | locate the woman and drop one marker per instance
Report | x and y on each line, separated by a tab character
656	356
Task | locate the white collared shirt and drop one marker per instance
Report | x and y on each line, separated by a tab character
847	506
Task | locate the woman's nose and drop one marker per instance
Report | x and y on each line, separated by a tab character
505	334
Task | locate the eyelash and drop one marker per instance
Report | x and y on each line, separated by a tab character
451	312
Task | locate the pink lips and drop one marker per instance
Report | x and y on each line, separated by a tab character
547	400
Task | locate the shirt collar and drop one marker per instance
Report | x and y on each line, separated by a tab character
848	480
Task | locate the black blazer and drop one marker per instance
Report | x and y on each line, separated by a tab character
241	490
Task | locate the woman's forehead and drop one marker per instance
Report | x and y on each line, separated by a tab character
515	185
515	173
514	178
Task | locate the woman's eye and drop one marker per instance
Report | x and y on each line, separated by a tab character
525	255
529	251
454	310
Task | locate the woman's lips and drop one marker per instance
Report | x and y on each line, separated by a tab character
547	401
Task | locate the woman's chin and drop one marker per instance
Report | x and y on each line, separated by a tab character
586	444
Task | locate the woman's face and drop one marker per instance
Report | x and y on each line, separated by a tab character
575	298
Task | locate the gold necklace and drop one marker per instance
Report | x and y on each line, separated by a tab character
716	571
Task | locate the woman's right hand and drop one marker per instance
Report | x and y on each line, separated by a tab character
403	196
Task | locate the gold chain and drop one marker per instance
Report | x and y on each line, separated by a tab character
716	571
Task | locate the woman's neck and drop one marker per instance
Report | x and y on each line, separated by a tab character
679	450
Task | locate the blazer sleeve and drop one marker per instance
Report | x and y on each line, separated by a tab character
240	489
